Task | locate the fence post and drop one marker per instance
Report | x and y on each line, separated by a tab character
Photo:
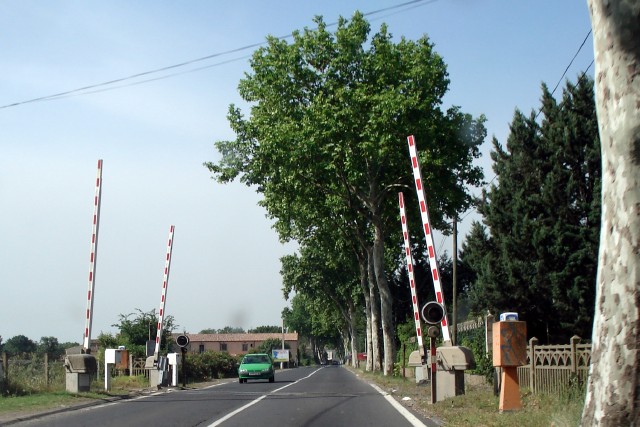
488	333
5	365
532	363
4	372
574	354
130	363
46	370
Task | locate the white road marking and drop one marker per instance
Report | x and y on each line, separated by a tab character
253	402
403	411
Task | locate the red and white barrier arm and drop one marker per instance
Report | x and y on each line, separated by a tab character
163	299
412	282
424	211
86	344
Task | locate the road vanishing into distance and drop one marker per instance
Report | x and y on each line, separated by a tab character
309	397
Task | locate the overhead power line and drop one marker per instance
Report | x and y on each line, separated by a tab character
109	85
569	66
571	62
582	76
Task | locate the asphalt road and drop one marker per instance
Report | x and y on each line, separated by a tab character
326	396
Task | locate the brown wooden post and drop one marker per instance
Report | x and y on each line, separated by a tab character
5	370
5	365
532	357
46	370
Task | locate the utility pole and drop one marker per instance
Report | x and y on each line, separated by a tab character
454	321
282	363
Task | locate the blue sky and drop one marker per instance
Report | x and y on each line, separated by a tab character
154	137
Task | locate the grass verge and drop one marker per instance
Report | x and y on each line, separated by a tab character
37	402
478	407
49	400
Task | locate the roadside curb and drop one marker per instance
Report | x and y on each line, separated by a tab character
18	418
14	418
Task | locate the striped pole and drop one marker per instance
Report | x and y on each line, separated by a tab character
163	299
92	260
424	211
412	282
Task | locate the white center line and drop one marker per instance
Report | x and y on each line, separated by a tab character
253	402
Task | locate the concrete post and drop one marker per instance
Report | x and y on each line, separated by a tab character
574	354
532	357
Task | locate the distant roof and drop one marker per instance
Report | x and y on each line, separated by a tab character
292	336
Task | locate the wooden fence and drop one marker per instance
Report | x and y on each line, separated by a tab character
137	367
549	368
31	372
38	372
555	368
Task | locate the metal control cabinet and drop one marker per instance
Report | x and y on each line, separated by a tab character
79	370
451	364
422	371
455	358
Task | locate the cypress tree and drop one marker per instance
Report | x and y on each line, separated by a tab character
543	218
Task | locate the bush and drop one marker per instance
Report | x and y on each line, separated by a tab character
210	365
475	341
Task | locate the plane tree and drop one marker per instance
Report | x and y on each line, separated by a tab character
329	117
329	278
614	377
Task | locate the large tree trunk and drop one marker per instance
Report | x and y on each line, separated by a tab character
367	309
375	314
386	301
353	330
614	377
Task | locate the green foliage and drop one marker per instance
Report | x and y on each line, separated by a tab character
26	376
225	330
135	329
538	254
231	330
406	334
107	340
265	329
475	340
325	144
69	344
325	292
19	344
50	346
298	316
267	345
210	365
